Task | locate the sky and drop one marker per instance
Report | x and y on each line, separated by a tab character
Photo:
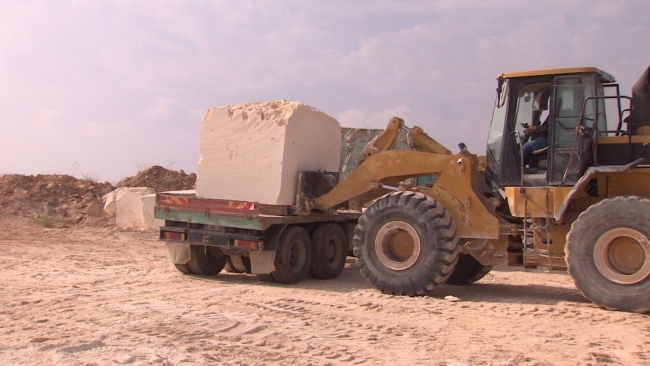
102	89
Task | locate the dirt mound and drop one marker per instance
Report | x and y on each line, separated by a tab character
160	179
62	200
54	200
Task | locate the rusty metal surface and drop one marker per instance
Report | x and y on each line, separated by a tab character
385	140
355	140
207	206
310	186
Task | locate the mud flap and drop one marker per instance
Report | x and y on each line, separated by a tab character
262	262
179	253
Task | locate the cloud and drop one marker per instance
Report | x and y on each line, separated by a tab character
114	81
48	121
360	119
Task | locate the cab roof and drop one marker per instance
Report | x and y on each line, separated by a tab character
571	70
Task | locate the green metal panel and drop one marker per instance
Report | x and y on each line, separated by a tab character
253	223
355	140
261	222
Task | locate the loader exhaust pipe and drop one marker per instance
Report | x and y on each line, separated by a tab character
640	114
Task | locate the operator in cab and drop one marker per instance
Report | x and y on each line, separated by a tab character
537	134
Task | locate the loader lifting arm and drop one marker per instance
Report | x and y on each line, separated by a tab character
394	165
457	188
386	140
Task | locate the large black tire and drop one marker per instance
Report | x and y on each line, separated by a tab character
329	251
467	271
206	261
238	264
183	268
230	267
406	243
293	256
608	253
242	262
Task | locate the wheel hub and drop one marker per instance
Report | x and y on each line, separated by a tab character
296	255
622	255
397	245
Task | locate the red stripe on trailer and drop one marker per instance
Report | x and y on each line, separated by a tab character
170	200
209	206
238	205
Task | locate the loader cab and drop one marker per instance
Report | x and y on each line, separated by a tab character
562	95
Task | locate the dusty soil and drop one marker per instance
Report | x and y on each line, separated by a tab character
96	296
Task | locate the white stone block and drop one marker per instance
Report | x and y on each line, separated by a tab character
254	151
127	205
148	219
110	202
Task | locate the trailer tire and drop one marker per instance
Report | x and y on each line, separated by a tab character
608	253
467	271
329	251
230	267
293	256
406	243
238	264
242	263
183	268
206	261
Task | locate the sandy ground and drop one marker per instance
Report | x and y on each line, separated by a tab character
100	296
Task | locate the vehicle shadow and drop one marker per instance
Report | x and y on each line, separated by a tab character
351	281
511	293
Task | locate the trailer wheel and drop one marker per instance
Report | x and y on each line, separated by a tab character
238	264
230	267
329	251
406	244
243	264
467	271
206	260
608	253
293	256
183	268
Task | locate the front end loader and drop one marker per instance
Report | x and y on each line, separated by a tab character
581	204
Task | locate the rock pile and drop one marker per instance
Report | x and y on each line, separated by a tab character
160	179
55	200
61	200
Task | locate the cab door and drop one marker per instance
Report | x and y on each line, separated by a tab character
504	146
572	128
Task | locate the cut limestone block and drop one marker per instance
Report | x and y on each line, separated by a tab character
148	219
254	151
110	202
126	204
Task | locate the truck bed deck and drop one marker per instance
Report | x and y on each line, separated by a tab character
188	208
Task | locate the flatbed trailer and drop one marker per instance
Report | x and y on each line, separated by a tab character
204	235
